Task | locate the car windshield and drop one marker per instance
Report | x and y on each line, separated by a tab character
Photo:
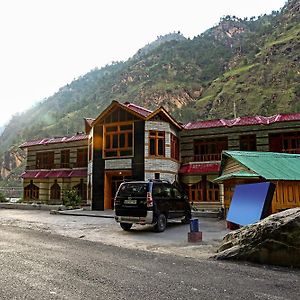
133	190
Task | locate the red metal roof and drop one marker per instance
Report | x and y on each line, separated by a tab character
58	173
78	173
55	174
200	168
138	109
242	121
29	174
55	140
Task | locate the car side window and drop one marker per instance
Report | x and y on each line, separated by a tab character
157	190
167	191
176	193
161	190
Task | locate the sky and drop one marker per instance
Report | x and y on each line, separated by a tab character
45	44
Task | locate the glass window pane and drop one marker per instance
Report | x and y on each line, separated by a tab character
126	127
115	141
111	128
130	139
111	153
114	116
125	152
160	147
152	146
107	142
122	140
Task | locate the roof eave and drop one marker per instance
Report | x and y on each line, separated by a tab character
169	117
114	104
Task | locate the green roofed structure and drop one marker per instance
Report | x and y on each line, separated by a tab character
241	167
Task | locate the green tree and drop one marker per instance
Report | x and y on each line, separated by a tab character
71	198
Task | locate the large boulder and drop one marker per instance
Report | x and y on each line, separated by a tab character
274	240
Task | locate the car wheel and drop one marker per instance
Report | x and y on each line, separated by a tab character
161	224
126	226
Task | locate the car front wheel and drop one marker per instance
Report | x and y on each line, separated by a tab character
161	224
126	226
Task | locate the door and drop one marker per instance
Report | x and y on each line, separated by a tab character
113	179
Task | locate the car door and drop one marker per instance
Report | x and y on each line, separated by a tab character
178	202
161	198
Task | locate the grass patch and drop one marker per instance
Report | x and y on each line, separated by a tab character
238	71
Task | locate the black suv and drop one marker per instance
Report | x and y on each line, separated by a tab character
150	202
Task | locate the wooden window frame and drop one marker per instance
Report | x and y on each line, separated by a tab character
55	191
174	147
284	142
248	142
157	136
109	150
81	189
202	151
82	158
204	191
287	143
65	158
31	191
45	160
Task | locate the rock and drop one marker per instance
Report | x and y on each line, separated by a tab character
274	240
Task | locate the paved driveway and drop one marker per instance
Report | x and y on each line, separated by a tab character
107	231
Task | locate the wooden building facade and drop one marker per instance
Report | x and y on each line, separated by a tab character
282	169
201	145
55	165
128	142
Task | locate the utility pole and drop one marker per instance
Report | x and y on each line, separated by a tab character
234	109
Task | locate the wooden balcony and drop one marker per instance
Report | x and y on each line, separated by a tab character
291	151
208	157
201	158
57	166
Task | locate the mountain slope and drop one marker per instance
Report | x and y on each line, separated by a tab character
266	83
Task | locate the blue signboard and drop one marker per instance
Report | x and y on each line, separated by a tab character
250	203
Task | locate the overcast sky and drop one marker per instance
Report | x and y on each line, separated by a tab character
45	44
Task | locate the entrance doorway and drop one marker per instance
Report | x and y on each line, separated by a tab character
113	179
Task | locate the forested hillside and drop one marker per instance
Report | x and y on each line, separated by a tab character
250	64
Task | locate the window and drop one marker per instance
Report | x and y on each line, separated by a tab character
285	142
118	140
118	116
248	142
161	190
157	143
291	143
81	189
31	191
65	158
174	147
45	160
82	157
203	191
55	191
209	149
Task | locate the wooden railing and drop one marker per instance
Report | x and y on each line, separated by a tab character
207	157
291	151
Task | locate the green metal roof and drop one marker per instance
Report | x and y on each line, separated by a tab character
269	165
239	174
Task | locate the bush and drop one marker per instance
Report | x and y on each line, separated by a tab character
2	198
71	198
